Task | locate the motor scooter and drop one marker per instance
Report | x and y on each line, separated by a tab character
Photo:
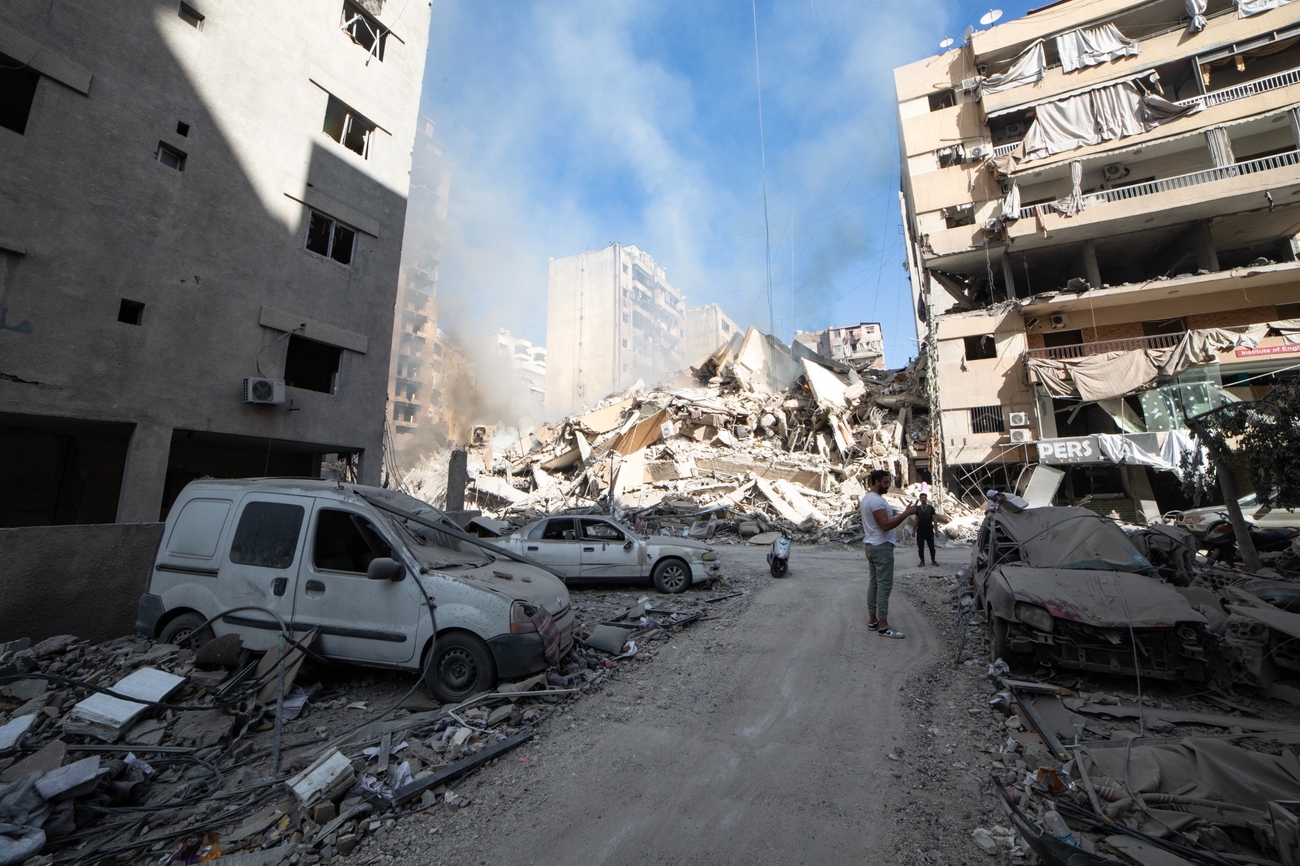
1221	540
778	556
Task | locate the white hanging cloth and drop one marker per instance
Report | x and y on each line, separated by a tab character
1094	45
1195	15
1246	8
1025	69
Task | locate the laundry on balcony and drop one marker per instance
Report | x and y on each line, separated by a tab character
1116	374
1196	15
1025	69
1105	113
1093	45
1246	8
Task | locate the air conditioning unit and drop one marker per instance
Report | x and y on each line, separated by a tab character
970	85
1021	436
1114	171
1014	131
1019	419
1031	323
266	392
978	152
1060	320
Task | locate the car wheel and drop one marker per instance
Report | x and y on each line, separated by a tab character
462	666
672	576
1001	645
183	632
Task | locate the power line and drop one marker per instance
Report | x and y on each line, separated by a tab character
762	149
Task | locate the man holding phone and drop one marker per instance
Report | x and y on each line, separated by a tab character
878	526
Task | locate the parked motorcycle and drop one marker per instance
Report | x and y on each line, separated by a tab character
778	556
1221	541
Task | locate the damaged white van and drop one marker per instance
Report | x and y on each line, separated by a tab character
378	572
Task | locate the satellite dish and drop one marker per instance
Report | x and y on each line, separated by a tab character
970	31
946	43
990	16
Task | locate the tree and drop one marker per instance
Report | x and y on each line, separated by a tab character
1266	433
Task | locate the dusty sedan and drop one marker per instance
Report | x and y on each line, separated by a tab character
1066	588
597	549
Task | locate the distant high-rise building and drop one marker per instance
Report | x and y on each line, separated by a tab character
707	328
860	345
611	318
527	363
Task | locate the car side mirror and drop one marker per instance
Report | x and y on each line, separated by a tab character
383	568
628	545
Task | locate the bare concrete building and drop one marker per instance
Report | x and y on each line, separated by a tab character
1101	213
611	318
527	369
861	345
201	212
707	328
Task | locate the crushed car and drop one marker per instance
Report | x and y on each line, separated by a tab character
598	549
1066	588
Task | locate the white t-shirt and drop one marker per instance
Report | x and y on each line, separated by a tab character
872	533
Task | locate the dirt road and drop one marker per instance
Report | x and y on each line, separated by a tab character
765	742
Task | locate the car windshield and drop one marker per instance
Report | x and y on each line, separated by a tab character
433	548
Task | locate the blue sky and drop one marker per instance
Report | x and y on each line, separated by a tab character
574	124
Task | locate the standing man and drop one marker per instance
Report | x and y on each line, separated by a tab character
925	528
878	525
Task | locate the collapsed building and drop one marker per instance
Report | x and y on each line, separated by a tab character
1098	202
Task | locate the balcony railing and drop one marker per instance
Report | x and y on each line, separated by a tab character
1249	88
1083	350
1004	149
1182	181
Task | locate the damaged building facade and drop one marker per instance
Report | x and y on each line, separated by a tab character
1101	205
611	318
198	265
861	345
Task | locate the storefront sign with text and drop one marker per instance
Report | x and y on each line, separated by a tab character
1289	349
1076	449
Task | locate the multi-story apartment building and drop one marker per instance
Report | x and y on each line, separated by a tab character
413	379
611	318
1101	202
860	345
527	366
707	328
194	195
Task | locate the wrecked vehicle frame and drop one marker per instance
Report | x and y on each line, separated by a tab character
1066	587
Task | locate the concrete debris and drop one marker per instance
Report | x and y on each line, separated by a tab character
755	442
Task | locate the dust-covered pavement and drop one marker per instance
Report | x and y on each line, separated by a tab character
788	734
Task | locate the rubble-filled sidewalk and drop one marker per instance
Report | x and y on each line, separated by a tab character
755	441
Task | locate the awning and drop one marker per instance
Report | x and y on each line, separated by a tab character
1025	69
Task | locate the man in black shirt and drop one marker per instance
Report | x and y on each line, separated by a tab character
925	528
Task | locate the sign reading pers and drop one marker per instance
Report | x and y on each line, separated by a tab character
1076	449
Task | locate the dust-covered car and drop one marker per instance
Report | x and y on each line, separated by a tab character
1067	588
598	549
1199	520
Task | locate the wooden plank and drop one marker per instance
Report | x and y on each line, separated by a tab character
452	772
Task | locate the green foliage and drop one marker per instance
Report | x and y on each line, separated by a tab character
1266	433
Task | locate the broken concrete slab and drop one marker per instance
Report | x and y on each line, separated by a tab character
12	732
50	757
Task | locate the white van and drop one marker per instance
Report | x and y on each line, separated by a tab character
364	566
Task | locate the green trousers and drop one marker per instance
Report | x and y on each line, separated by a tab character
881	559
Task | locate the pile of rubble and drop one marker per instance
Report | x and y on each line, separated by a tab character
131	750
755	441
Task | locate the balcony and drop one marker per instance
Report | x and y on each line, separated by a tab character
1246	89
1083	350
1182	181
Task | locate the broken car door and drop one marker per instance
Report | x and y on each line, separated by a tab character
366	620
607	551
261	567
554	543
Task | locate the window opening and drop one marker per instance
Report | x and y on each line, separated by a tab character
364	30
599	530
130	312
986	419
1164	326
348	128
331	239
1056	339
170	156
1288	311
190	16
558	530
17	90
942	99
267	535
980	346
182	129
312	365
347	542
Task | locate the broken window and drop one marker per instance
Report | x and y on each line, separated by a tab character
1055	339
347	542
348	128
437	349
267	535
986	419
958	215
364	30
17	90
558	529
130	312
1288	311
190	16
980	346
182	129
599	530
331	239
435	397
170	156
311	365
1163	326
942	99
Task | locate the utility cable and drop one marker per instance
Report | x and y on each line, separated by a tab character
762	149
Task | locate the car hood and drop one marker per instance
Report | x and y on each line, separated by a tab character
515	581
1104	599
